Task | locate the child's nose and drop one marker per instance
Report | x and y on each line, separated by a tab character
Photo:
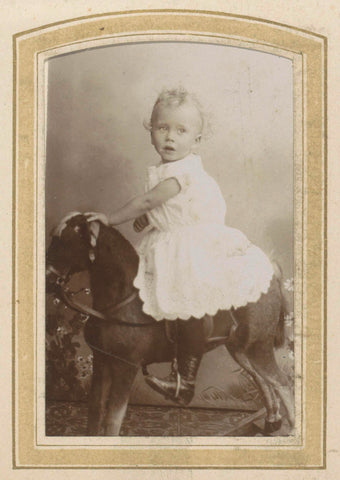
170	135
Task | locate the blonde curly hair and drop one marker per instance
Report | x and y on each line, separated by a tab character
176	96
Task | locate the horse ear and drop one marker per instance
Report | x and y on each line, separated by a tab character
93	231
93	228
58	230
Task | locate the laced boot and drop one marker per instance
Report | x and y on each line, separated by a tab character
179	386
168	385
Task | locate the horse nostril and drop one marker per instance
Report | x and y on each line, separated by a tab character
52	279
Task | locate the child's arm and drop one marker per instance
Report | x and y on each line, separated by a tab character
142	204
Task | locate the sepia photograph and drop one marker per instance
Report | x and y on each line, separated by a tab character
169	255
169	198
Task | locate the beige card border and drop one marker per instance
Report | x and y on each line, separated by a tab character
313	49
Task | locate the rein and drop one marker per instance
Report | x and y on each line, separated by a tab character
91	312
88	312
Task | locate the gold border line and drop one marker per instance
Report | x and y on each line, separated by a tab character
14	214
198	40
205	36
191	34
325	245
173	11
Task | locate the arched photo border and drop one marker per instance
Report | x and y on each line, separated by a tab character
308	52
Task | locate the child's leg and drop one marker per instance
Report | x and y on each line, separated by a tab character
191	337
191	343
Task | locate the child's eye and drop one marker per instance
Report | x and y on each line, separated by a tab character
181	130
162	128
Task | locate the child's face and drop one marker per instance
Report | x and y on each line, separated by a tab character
175	131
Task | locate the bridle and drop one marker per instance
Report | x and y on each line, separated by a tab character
62	291
87	312
66	296
61	278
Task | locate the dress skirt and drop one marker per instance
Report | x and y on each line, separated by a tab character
194	270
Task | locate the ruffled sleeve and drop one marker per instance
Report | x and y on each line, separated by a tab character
182	175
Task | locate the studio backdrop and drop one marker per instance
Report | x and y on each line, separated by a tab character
97	152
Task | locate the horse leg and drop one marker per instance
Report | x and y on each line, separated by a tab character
241	358
122	376
274	423
276	403
100	388
264	362
287	398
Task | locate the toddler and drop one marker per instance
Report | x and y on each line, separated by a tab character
191	264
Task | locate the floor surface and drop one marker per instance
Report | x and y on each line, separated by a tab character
69	419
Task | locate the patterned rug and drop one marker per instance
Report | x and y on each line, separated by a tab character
69	419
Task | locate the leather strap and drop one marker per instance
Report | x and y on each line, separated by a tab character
91	312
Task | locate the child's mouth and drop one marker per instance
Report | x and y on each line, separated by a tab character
169	149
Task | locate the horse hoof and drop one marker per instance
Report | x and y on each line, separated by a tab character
270	427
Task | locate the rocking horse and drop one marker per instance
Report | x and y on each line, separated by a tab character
124	339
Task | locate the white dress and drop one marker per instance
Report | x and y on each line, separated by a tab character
191	264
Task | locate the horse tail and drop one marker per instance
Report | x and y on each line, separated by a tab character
279	338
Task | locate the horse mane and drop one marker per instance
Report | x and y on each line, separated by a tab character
113	246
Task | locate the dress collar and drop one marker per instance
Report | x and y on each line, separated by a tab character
191	160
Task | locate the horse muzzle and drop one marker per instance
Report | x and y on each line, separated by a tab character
54	279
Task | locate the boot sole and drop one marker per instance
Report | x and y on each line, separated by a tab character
159	390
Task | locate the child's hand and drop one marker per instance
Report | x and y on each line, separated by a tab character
94	216
140	223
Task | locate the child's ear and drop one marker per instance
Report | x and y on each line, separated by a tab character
151	137
198	139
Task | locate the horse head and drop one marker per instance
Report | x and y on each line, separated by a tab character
71	250
79	245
